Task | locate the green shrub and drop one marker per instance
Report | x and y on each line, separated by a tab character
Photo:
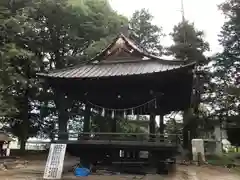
217	160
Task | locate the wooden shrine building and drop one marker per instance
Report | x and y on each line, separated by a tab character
122	78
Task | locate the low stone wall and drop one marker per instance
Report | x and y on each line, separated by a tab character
30	154
7	164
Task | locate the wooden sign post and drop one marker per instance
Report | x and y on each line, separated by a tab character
54	165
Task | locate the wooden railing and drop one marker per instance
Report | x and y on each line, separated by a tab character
170	138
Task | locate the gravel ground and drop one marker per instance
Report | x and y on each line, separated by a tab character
34	171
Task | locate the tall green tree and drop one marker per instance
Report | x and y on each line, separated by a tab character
17	76
69	40
35	39
233	129
189	45
227	63
145	33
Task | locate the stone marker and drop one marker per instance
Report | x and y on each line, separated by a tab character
198	150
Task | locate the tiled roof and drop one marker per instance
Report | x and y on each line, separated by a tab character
122	57
114	68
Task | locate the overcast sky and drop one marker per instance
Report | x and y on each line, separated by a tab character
167	13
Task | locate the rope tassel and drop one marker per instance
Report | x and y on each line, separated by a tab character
103	112
124	114
113	114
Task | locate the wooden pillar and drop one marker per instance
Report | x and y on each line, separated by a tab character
61	104
87	116
125	154
161	128
137	155
152	125
85	160
114	129
114	125
152	120
115	152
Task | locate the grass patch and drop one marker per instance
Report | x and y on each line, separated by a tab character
224	160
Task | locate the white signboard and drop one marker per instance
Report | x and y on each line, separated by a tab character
54	165
198	147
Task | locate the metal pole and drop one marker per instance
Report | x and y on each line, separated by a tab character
183	23
182	10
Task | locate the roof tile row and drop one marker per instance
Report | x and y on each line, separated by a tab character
113	69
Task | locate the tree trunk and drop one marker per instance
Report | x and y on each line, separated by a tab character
24	126
185	130
22	145
190	124
189	130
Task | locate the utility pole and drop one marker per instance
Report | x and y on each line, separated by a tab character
182	10
183	22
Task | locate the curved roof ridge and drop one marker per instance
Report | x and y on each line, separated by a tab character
162	61
105	49
110	69
135	47
145	53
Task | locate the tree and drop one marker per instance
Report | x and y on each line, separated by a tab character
34	39
227	63
16	77
226	99
67	41
145	33
189	45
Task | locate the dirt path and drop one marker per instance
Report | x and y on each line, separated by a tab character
34	171
218	173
